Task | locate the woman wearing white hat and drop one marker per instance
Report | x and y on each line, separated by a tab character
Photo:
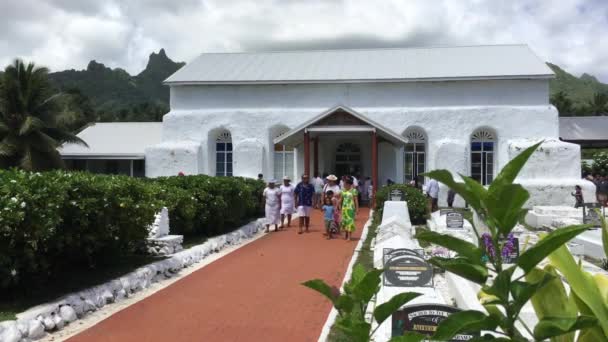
287	200
332	185
272	205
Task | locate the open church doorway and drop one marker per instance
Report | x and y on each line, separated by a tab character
348	159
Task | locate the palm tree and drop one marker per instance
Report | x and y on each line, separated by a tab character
29	135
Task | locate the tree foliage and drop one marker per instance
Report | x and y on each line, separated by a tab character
29	112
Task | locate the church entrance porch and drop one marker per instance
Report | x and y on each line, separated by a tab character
343	142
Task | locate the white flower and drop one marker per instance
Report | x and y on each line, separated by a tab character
13	272
22	204
73	202
14	199
13	181
116	238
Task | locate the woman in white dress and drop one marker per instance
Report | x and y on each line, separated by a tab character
272	205
287	201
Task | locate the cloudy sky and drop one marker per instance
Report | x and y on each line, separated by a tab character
122	33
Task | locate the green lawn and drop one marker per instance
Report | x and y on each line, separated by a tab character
73	280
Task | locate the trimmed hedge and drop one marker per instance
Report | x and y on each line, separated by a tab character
61	220
416	201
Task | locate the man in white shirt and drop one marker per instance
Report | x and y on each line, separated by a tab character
318	183
432	191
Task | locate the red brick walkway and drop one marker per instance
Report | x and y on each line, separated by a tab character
251	294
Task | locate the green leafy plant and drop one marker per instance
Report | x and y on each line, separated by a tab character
56	220
416	201
352	304
505	289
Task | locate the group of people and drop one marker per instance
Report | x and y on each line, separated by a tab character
601	190
338	201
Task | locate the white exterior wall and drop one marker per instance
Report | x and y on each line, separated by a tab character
449	112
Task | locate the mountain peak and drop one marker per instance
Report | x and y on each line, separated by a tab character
95	66
587	77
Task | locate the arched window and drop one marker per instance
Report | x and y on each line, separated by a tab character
223	154
482	156
283	161
415	156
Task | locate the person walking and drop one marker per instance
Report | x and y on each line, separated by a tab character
602	190
350	206
328	216
304	192
317	182
287	201
451	196
578	197
332	185
432	191
272	205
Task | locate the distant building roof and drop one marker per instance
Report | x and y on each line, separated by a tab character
365	65
583	128
115	140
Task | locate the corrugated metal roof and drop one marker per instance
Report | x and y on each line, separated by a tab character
583	128
115	140
366	65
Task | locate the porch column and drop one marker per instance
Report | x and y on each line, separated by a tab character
374	166
316	156
306	153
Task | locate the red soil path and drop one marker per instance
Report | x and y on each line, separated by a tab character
251	294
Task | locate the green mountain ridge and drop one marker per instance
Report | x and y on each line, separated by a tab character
580	90
115	89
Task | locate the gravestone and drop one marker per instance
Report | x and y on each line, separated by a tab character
454	220
406	268
424	319
445	211
590	214
397	195
159	242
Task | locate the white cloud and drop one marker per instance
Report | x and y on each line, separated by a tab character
68	33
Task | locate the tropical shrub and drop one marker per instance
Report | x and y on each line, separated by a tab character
506	288
352	304
205	205
600	164
504	295
416	201
58	220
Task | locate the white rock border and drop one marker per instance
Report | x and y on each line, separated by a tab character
34	323
333	314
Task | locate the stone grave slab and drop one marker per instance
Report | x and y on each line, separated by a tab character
159	242
397	209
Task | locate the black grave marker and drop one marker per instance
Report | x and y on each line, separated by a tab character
397	195
424	319
406	268
454	220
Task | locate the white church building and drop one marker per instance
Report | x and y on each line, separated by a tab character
383	113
